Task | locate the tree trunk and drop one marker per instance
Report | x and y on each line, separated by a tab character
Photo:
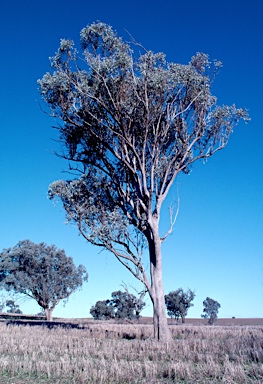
48	312
161	328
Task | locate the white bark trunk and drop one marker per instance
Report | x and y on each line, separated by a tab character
49	313
161	328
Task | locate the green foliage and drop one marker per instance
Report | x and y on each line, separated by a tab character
8	302
13	307
178	302
210	310
102	310
130	123
41	272
123	305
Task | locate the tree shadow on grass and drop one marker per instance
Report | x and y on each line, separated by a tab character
46	324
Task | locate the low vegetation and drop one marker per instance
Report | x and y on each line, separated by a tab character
108	352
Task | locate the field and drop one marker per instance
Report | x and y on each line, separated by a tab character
81	352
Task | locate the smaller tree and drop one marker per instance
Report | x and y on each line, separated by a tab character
123	305
102	310
210	310
13	307
178	302
41	272
138	302
8	302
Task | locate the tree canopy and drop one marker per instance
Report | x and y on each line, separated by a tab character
102	310
126	305
210	311
122	305
8	302
13	307
41	272
178	302
130	122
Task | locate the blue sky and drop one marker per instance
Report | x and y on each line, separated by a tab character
217	243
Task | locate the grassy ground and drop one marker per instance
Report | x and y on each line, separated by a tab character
93	352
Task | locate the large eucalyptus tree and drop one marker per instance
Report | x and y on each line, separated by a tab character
130	123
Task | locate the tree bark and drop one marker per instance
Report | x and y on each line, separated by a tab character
48	312
161	328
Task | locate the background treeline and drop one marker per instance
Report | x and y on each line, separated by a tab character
47	275
125	305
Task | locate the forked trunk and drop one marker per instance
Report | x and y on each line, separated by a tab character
49	312
161	328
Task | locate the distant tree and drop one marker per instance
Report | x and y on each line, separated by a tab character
123	305
13	307
8	301
102	310
41	272
138	302
130	122
210	310
178	302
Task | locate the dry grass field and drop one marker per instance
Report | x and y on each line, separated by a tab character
106	352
